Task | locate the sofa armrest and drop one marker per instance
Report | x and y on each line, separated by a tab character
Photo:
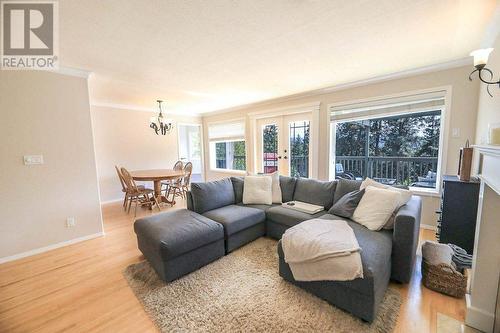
405	239
189	201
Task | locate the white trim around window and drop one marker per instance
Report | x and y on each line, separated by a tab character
226	131
432	94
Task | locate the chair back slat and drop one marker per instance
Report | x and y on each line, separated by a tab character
178	165
129	181
120	176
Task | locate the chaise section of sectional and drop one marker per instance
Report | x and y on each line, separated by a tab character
361	297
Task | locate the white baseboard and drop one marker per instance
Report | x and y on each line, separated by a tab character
50	247
428	227
478	318
111	201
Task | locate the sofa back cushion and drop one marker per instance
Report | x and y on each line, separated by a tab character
345	186
212	195
287	185
238	188
315	191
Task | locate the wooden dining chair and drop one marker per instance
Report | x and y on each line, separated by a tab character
124	186
144	196
186	181
180	187
178	166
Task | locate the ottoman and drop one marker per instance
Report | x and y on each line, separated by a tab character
179	242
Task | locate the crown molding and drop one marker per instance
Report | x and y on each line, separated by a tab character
130	107
72	72
327	90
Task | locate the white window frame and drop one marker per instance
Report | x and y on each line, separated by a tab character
443	132
211	146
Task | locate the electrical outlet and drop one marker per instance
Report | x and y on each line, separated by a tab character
33	159
70	222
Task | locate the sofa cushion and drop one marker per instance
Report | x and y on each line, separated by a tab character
346	205
236	218
314	191
212	195
177	232
238	188
287	185
345	186
261	207
289	217
257	190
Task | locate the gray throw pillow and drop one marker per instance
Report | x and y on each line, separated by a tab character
345	206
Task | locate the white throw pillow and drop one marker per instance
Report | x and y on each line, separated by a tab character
276	188
405	194
257	190
376	207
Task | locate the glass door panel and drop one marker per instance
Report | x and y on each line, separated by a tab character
270	148
283	145
299	133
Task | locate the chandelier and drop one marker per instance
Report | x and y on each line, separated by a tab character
160	125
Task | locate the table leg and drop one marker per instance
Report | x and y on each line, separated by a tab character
161	198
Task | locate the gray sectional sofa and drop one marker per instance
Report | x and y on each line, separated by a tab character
386	254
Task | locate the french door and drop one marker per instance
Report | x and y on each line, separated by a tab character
283	144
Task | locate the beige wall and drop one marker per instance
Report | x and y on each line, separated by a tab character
47	114
489	107
462	115
123	137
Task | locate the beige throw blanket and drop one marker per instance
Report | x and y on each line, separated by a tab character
319	250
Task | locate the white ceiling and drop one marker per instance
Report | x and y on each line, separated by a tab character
202	55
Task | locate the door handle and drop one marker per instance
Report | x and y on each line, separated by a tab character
279	156
285	157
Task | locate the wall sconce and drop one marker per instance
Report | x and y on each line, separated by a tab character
480	60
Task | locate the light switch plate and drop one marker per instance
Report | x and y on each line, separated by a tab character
33	159
455	132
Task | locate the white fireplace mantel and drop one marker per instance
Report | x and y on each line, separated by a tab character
486	259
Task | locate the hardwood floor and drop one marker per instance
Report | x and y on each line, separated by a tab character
80	288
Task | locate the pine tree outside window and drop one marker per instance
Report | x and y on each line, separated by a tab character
398	143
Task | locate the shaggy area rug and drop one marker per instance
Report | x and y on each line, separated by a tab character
243	292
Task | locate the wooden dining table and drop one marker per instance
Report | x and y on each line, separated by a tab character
157	176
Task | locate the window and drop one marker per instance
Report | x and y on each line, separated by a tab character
397	142
227	146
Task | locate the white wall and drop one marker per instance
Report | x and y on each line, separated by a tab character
48	114
462	115
123	137
489	107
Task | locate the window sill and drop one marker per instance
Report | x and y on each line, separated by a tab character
234	172
429	192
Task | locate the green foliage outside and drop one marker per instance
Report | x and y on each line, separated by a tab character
409	136
239	159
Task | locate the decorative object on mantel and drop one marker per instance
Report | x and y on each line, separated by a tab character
480	60
494	134
465	162
160	125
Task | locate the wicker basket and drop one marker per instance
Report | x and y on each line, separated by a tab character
444	279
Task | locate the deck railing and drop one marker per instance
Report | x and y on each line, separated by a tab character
400	170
